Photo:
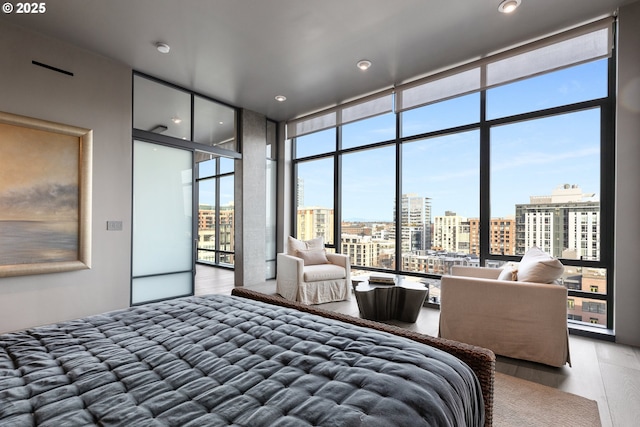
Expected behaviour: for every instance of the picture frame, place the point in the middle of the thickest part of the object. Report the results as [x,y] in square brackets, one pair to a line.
[45,196]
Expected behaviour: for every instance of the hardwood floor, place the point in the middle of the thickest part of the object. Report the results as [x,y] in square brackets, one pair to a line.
[212,280]
[606,372]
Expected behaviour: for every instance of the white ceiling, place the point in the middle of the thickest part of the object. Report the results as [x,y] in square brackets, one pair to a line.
[245,52]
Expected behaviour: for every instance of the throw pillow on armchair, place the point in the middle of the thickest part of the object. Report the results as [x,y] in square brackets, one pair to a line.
[537,266]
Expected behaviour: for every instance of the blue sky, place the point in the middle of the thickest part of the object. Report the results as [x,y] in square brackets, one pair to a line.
[527,158]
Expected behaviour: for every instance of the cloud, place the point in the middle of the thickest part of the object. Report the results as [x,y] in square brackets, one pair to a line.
[540,158]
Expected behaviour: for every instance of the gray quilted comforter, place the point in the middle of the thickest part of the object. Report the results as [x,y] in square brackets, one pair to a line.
[223,360]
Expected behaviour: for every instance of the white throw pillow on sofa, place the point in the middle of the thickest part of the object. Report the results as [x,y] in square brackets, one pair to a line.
[538,266]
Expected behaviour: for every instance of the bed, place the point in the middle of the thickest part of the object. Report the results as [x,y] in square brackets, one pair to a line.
[247,359]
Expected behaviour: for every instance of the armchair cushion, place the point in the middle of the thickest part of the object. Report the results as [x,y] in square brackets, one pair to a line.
[313,256]
[536,266]
[316,273]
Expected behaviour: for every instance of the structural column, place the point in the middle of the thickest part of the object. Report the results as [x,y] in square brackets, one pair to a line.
[250,201]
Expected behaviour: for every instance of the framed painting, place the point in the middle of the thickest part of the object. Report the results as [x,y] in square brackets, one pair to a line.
[45,196]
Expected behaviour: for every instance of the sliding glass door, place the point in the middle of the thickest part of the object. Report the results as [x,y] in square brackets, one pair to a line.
[163,242]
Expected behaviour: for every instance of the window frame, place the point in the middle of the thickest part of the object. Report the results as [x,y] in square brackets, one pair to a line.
[605,104]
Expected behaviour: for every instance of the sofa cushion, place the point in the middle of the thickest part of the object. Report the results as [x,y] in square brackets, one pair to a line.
[294,245]
[315,273]
[313,256]
[539,267]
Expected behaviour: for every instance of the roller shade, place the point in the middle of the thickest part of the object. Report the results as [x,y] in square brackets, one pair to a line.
[373,105]
[587,47]
[587,43]
[582,44]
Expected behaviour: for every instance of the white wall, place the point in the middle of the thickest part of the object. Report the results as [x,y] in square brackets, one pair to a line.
[97,97]
[627,234]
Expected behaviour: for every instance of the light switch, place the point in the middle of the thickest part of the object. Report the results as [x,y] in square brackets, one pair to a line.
[114,225]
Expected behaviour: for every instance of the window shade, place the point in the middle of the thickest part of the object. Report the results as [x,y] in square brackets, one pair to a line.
[587,47]
[373,105]
[411,96]
[312,124]
[573,47]
[586,43]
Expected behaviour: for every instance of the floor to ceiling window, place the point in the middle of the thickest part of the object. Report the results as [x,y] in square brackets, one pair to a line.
[474,166]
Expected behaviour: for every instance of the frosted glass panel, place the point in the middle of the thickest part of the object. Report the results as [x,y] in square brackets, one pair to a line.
[154,288]
[162,210]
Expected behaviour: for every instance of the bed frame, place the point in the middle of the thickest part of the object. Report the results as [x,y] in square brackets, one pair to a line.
[481,360]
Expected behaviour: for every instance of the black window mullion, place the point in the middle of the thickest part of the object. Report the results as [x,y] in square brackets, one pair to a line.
[607,181]
[337,193]
[398,201]
[485,184]
[217,215]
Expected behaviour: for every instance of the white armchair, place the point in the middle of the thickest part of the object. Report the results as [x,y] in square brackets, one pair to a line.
[307,274]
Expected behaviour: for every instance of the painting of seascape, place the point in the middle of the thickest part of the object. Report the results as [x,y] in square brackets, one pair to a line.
[43,206]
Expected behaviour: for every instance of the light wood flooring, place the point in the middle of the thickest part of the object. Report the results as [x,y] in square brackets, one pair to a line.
[606,372]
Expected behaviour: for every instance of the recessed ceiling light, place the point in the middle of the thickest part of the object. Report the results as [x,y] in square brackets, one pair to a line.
[364,64]
[508,6]
[177,120]
[163,47]
[281,98]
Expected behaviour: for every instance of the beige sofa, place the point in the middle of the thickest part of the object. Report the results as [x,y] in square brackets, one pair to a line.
[515,319]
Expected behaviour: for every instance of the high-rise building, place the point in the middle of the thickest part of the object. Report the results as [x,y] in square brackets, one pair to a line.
[415,221]
[362,250]
[502,236]
[300,192]
[564,224]
[315,222]
[451,233]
